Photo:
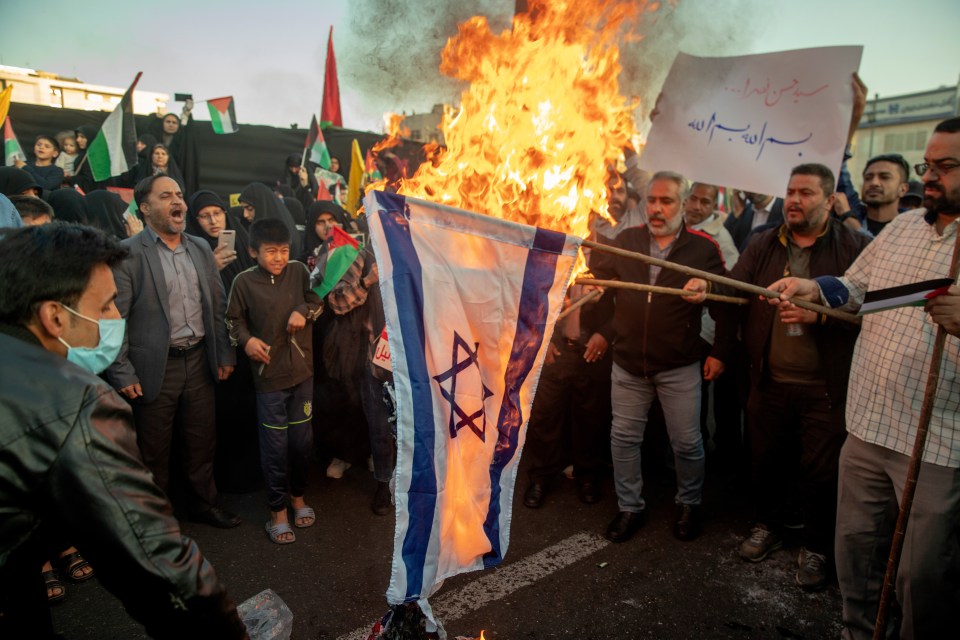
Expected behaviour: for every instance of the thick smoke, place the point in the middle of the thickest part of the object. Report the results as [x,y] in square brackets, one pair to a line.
[395,48]
[395,45]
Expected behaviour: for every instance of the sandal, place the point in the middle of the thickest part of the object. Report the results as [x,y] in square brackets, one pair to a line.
[274,531]
[52,582]
[304,513]
[72,566]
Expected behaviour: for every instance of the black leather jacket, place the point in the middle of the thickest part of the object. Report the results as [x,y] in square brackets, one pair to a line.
[69,460]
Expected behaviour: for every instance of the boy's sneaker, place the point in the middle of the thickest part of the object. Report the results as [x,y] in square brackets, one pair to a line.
[336,468]
[812,572]
[761,543]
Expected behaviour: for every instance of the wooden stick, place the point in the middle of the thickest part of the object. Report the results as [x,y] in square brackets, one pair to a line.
[730,282]
[617,284]
[579,302]
[913,470]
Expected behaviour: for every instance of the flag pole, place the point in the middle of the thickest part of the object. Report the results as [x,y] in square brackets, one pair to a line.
[730,282]
[579,302]
[76,169]
[670,291]
[303,159]
[913,470]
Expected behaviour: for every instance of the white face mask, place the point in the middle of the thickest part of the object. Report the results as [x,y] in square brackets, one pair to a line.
[98,358]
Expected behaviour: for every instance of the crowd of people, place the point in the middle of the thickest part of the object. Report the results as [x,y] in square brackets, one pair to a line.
[170,346]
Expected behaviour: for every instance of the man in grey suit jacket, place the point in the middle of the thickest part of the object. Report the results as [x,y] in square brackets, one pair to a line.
[175,346]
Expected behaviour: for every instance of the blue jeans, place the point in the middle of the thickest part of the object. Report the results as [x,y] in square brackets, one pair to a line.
[679,393]
[286,440]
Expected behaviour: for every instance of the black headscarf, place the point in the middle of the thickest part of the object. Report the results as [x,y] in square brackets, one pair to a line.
[105,211]
[182,147]
[68,205]
[146,169]
[14,181]
[82,173]
[204,198]
[296,210]
[306,194]
[267,205]
[310,239]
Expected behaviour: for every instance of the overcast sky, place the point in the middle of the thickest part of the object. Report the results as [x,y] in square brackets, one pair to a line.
[270,56]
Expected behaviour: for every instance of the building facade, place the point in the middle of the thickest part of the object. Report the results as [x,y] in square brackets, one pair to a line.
[51,90]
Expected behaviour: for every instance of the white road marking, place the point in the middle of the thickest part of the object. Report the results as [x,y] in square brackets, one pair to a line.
[504,580]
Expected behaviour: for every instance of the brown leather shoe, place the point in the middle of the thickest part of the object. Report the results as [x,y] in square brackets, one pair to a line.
[686,525]
[625,525]
[533,498]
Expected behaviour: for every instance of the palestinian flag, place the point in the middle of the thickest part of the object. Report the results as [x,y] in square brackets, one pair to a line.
[907,295]
[5,101]
[316,146]
[339,253]
[11,147]
[114,150]
[330,107]
[222,116]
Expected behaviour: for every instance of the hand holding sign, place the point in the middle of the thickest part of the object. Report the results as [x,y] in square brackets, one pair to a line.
[746,121]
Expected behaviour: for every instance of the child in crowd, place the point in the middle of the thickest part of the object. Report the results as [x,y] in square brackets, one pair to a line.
[42,168]
[33,211]
[267,314]
[68,152]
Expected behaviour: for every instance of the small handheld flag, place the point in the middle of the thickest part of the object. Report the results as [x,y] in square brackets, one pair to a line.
[222,115]
[316,146]
[11,147]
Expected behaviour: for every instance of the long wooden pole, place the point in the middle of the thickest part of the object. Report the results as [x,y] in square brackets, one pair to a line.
[618,284]
[913,470]
[730,282]
[579,302]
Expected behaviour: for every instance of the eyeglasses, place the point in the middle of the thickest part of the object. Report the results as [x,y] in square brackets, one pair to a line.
[209,218]
[936,168]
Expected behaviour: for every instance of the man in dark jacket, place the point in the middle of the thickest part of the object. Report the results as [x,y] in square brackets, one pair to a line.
[68,452]
[656,354]
[799,364]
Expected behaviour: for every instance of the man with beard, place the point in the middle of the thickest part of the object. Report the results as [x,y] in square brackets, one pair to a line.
[887,383]
[656,354]
[884,183]
[798,365]
[175,347]
[624,216]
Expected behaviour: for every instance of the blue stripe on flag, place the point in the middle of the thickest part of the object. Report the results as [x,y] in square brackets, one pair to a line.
[538,277]
[408,291]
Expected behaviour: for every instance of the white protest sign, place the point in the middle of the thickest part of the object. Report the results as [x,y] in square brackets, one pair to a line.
[745,121]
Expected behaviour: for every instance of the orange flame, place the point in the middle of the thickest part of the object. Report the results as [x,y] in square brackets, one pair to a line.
[542,118]
[481,635]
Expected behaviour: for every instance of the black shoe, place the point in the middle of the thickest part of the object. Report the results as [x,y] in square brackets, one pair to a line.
[533,498]
[624,526]
[588,492]
[382,500]
[217,517]
[686,526]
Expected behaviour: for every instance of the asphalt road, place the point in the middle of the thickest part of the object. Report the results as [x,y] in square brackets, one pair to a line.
[560,578]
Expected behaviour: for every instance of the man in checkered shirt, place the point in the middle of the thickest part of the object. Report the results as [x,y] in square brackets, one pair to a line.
[887,382]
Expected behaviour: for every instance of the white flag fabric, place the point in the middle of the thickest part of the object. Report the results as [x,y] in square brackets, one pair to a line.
[470,304]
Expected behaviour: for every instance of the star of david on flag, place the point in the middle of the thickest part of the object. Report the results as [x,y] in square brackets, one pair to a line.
[459,418]
[470,304]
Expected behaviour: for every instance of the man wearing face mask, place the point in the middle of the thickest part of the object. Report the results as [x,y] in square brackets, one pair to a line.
[68,452]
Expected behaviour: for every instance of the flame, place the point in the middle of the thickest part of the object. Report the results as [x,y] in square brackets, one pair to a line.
[542,118]
[481,635]
[532,140]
